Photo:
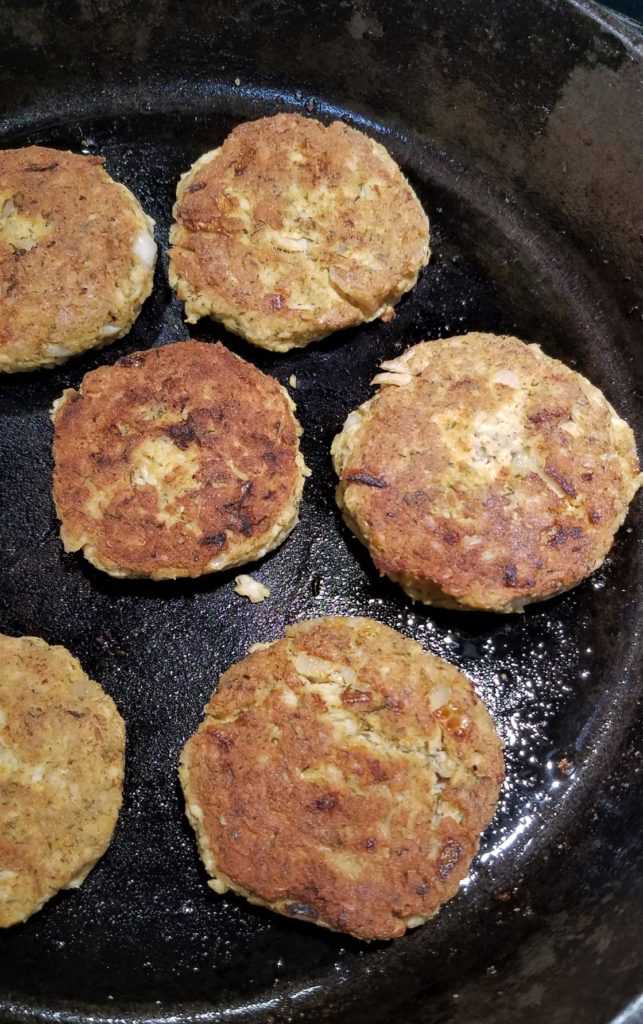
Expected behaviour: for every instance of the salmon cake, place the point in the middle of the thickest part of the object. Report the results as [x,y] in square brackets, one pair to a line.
[484,474]
[178,461]
[292,230]
[342,776]
[62,753]
[77,257]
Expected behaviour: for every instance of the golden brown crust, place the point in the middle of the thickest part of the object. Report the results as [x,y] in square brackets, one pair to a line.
[76,257]
[62,749]
[485,474]
[174,462]
[342,775]
[293,230]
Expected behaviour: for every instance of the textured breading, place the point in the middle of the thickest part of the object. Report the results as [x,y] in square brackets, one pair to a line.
[485,474]
[77,257]
[62,750]
[292,230]
[342,775]
[178,461]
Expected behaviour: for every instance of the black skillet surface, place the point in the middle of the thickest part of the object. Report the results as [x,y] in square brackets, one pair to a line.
[517,123]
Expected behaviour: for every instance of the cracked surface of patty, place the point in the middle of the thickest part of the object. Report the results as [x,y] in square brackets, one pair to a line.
[62,750]
[484,474]
[177,461]
[342,775]
[292,230]
[77,257]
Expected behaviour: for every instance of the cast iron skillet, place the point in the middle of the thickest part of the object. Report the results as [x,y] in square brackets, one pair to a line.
[519,125]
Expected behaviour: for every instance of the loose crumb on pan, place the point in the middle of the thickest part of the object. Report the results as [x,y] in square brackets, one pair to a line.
[248,586]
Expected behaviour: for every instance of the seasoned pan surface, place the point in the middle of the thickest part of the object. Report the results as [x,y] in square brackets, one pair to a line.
[550,916]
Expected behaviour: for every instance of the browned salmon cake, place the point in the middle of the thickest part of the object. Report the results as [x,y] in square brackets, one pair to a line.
[62,750]
[484,474]
[77,257]
[177,461]
[342,776]
[292,230]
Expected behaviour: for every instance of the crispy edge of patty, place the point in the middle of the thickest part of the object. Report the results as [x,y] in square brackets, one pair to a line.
[241,550]
[56,683]
[458,723]
[269,328]
[400,373]
[41,353]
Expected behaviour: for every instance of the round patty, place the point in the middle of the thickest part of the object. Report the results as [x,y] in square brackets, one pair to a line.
[292,230]
[342,775]
[77,257]
[177,461]
[484,474]
[62,751]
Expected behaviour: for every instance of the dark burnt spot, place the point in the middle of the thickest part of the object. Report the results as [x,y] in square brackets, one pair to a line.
[449,856]
[222,741]
[133,360]
[510,575]
[415,497]
[100,458]
[273,457]
[216,540]
[422,889]
[563,534]
[587,477]
[198,185]
[326,803]
[240,521]
[356,697]
[561,480]
[376,770]
[301,910]
[365,478]
[246,488]
[494,501]
[369,843]
[543,416]
[595,515]
[182,433]
[246,524]
[40,168]
[450,537]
